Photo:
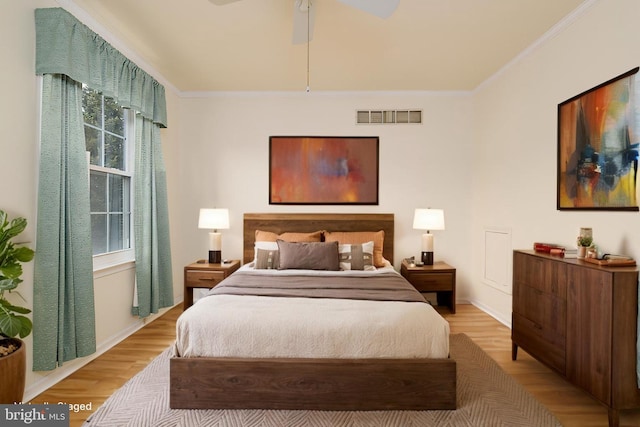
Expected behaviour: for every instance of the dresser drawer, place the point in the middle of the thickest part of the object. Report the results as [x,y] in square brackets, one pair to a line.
[548,276]
[429,282]
[202,279]
[540,307]
[546,343]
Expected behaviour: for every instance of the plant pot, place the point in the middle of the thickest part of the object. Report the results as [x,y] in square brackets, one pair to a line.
[13,371]
[582,251]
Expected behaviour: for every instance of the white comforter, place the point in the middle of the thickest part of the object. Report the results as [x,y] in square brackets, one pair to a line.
[268,327]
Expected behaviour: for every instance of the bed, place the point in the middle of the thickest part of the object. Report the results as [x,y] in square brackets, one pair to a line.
[291,373]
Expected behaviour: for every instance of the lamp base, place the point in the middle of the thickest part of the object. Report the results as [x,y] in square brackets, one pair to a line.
[427,258]
[215,257]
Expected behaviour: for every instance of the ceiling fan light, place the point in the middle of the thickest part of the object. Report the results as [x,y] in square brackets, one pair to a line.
[303,5]
[304,13]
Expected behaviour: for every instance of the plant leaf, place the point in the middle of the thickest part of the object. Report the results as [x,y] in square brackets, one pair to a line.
[16,226]
[11,270]
[25,326]
[17,309]
[10,324]
[8,284]
[23,254]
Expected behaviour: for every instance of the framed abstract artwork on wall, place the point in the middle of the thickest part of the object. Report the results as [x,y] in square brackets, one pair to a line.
[323,170]
[598,137]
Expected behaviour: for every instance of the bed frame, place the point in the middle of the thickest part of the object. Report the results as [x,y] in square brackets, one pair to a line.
[313,384]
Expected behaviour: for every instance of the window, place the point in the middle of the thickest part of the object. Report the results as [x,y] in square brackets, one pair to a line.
[107,127]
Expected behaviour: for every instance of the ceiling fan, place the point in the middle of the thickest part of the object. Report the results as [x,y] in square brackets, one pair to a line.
[304,14]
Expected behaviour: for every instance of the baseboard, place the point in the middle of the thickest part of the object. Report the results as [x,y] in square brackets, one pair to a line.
[69,368]
[499,317]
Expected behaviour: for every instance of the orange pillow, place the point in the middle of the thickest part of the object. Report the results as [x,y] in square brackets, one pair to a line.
[268,236]
[359,237]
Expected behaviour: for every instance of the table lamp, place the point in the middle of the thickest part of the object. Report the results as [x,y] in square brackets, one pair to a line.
[214,219]
[428,219]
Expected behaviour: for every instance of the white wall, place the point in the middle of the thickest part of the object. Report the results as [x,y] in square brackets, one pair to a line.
[421,165]
[19,113]
[515,142]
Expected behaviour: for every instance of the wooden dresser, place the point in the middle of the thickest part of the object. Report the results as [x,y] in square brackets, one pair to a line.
[579,319]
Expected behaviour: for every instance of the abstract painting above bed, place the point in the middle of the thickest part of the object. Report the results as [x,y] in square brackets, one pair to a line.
[319,170]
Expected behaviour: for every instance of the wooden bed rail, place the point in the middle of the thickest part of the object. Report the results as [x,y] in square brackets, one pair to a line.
[313,384]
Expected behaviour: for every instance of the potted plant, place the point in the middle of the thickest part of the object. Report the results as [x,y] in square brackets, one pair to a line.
[13,322]
[583,243]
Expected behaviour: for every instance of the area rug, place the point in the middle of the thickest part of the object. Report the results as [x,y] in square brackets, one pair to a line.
[487,396]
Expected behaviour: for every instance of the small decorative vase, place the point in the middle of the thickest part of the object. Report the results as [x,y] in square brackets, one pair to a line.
[586,232]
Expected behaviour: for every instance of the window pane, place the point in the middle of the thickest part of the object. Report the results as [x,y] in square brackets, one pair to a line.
[92,144]
[113,117]
[116,226]
[115,193]
[99,233]
[98,190]
[114,152]
[91,106]
[126,195]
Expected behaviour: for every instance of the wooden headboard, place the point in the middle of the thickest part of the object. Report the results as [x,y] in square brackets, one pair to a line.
[309,222]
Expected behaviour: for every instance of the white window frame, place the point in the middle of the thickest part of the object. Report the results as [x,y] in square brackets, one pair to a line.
[124,256]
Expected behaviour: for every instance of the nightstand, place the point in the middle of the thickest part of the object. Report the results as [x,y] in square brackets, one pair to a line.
[205,276]
[439,278]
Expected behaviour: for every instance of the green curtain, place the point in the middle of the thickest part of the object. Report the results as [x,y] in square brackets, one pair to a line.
[66,46]
[63,312]
[63,305]
[154,287]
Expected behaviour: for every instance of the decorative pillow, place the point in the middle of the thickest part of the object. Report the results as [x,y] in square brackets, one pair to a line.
[267,259]
[359,237]
[268,236]
[264,247]
[356,256]
[308,255]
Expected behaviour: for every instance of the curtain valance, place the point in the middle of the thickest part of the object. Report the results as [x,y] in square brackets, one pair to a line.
[66,46]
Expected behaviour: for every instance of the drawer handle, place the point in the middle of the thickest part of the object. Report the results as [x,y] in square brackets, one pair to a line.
[207,279]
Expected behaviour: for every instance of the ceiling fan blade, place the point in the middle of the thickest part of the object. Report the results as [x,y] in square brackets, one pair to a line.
[304,13]
[222,2]
[380,8]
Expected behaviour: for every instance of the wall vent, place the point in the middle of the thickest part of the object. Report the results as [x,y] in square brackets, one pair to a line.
[388,116]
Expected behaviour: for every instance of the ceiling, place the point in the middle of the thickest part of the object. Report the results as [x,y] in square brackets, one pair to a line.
[430,45]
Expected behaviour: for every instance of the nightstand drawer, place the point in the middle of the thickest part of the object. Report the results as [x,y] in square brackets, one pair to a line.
[203,279]
[432,281]
[204,275]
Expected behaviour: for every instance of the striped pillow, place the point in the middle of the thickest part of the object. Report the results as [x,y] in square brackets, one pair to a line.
[268,259]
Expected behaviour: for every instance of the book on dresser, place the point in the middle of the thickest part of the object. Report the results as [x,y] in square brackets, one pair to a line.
[580,319]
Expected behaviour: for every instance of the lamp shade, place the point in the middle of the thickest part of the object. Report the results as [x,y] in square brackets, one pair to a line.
[214,219]
[428,219]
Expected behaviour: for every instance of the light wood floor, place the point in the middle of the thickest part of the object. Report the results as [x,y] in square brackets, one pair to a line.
[95,382]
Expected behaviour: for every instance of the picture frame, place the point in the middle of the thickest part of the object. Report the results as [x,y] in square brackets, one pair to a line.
[598,136]
[323,170]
